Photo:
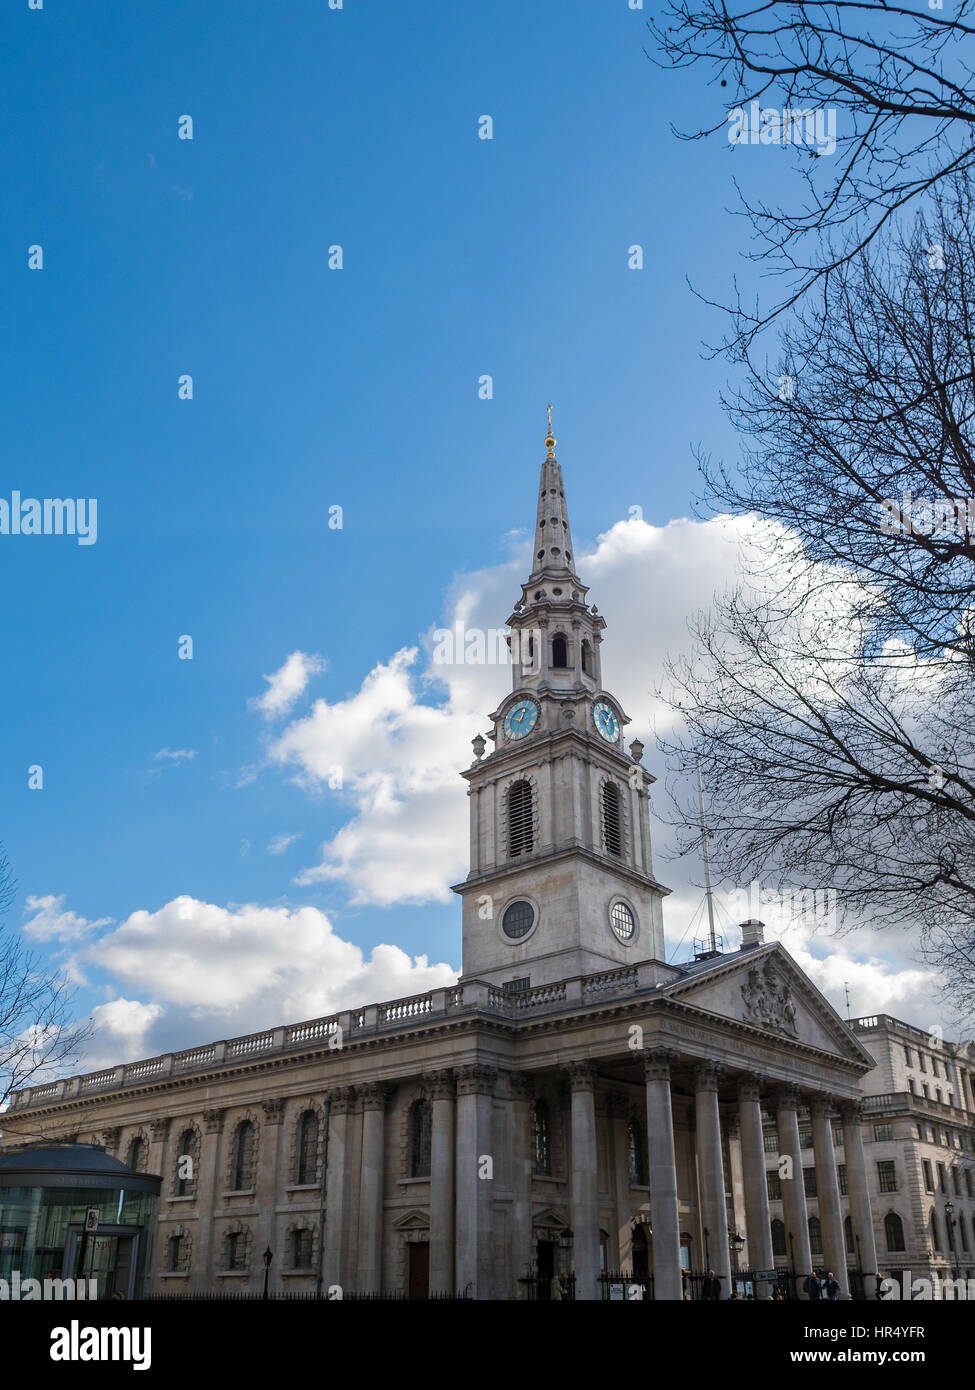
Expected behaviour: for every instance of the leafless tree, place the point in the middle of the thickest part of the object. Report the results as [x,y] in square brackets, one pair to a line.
[38,1036]
[831,696]
[900,82]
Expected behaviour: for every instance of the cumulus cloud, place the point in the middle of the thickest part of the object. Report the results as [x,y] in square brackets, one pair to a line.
[51,921]
[246,967]
[287,684]
[121,1032]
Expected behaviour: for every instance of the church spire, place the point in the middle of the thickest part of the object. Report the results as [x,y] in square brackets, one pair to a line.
[553,539]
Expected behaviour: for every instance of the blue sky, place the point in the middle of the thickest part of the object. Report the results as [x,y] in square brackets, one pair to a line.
[315,388]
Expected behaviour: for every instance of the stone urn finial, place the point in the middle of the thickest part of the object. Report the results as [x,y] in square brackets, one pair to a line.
[478,744]
[636,750]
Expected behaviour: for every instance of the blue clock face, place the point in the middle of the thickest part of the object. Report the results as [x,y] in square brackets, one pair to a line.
[520,719]
[607,725]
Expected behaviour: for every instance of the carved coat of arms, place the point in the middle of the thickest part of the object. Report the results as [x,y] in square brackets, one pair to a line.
[768,1000]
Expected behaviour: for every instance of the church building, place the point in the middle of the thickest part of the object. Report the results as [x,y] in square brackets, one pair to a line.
[574,1105]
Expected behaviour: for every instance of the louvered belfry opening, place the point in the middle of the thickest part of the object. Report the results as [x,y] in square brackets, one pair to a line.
[560,653]
[521,831]
[612,828]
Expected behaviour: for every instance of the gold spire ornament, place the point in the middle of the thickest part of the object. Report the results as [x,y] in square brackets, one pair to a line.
[550,437]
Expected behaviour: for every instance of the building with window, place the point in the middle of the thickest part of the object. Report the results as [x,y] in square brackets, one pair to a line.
[573,1104]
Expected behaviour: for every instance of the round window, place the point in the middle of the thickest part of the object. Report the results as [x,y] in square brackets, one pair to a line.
[518,920]
[623,921]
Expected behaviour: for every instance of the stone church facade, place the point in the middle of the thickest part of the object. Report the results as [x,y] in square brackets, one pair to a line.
[573,1104]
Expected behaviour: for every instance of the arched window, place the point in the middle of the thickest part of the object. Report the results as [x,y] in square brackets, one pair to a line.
[245,1146]
[560,652]
[848,1236]
[236,1250]
[815,1236]
[521,830]
[136,1157]
[306,1148]
[178,1249]
[541,1138]
[612,819]
[778,1238]
[894,1231]
[935,1230]
[586,659]
[301,1249]
[421,1122]
[637,1147]
[187,1160]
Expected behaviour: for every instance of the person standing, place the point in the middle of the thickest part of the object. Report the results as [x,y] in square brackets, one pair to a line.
[812,1287]
[711,1288]
[831,1288]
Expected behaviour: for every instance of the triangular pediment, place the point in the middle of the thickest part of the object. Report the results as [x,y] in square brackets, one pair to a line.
[550,1220]
[764,989]
[413,1221]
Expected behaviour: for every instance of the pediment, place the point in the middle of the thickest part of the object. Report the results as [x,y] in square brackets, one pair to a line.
[550,1220]
[765,990]
[413,1221]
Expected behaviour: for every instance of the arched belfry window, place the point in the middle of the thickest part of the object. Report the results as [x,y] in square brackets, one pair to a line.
[521,829]
[306,1148]
[245,1150]
[542,1138]
[612,819]
[560,652]
[586,659]
[421,1126]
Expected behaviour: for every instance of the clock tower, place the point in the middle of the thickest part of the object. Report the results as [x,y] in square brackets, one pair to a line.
[561,880]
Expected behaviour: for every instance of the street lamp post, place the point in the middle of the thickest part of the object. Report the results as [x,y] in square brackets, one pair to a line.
[736,1244]
[951,1219]
[268,1257]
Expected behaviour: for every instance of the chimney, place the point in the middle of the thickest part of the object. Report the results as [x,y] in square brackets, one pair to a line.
[752,934]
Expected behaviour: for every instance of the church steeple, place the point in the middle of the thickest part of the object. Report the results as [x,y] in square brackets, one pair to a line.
[561,881]
[553,539]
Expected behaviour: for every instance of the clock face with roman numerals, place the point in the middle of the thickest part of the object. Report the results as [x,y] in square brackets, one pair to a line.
[520,719]
[607,725]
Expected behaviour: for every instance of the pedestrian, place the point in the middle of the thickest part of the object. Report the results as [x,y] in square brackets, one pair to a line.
[812,1287]
[711,1288]
[831,1288]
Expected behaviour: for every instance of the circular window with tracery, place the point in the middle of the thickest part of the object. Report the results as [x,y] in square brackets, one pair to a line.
[624,923]
[518,920]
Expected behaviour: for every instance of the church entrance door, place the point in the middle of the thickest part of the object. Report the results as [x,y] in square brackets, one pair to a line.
[419,1269]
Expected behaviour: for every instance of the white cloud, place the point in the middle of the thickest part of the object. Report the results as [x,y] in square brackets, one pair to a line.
[51,922]
[246,967]
[281,842]
[176,755]
[287,684]
[122,1029]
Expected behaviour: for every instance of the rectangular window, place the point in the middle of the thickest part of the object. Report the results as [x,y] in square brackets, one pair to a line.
[883,1131]
[887,1175]
[516,986]
[907,1056]
[774,1184]
[837,1136]
[957,1177]
[928,1175]
[805,1139]
[934,1066]
[968,1182]
[841,1179]
[924,1088]
[809,1181]
[920,1061]
[911,1086]
[941,1178]
[771,1143]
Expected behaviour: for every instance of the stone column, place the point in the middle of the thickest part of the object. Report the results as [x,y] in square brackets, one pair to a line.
[793,1191]
[618,1113]
[266,1184]
[828,1192]
[205,1258]
[334,1266]
[442,1145]
[714,1217]
[667,1282]
[584,1186]
[474,1246]
[156,1163]
[369,1270]
[861,1217]
[522,1165]
[758,1225]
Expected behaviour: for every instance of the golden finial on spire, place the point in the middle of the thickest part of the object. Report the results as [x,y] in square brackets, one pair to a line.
[550,437]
